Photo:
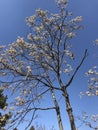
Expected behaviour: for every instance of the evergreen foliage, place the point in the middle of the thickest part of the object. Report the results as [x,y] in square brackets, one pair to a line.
[3,105]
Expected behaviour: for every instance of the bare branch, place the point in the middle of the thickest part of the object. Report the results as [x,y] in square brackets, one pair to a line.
[78,67]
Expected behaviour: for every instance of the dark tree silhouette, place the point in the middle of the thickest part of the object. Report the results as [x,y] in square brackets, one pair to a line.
[3,105]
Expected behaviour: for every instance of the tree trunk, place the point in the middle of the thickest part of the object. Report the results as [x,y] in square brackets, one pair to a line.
[69,109]
[57,109]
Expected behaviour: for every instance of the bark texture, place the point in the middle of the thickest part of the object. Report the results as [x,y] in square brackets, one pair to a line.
[69,109]
[57,110]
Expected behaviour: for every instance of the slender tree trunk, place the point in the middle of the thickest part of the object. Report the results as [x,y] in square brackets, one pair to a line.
[69,109]
[57,109]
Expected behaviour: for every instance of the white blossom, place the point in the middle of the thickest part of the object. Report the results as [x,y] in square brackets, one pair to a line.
[68,53]
[1,47]
[96,93]
[77,19]
[37,38]
[61,2]
[68,69]
[30,37]
[25,92]
[90,72]
[41,13]
[12,50]
[39,28]
[31,20]
[96,42]
[11,108]
[20,40]
[70,35]
[88,93]
[29,69]
[18,98]
[56,16]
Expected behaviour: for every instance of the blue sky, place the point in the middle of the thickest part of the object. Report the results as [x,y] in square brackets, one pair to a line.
[12,24]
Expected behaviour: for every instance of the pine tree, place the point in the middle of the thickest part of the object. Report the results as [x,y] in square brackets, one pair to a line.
[32,128]
[3,105]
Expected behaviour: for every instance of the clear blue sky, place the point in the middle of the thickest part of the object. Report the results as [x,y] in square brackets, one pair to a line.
[12,24]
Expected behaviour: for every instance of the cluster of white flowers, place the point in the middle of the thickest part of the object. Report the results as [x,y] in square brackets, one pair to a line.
[96,92]
[88,93]
[71,34]
[2,73]
[39,28]
[3,59]
[1,47]
[30,37]
[61,2]
[29,70]
[12,108]
[69,54]
[12,50]
[76,20]
[20,111]
[41,13]
[93,79]
[90,120]
[20,101]
[25,92]
[91,92]
[56,16]
[90,72]
[37,38]
[93,74]
[52,19]
[94,117]
[31,20]
[96,42]
[68,69]
[20,40]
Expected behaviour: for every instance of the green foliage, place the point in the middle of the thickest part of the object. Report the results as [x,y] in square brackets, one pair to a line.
[2,100]
[32,128]
[3,104]
[15,129]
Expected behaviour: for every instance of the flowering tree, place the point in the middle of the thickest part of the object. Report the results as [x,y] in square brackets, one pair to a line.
[92,75]
[38,66]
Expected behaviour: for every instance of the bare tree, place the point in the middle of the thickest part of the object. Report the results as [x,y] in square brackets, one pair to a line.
[38,66]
